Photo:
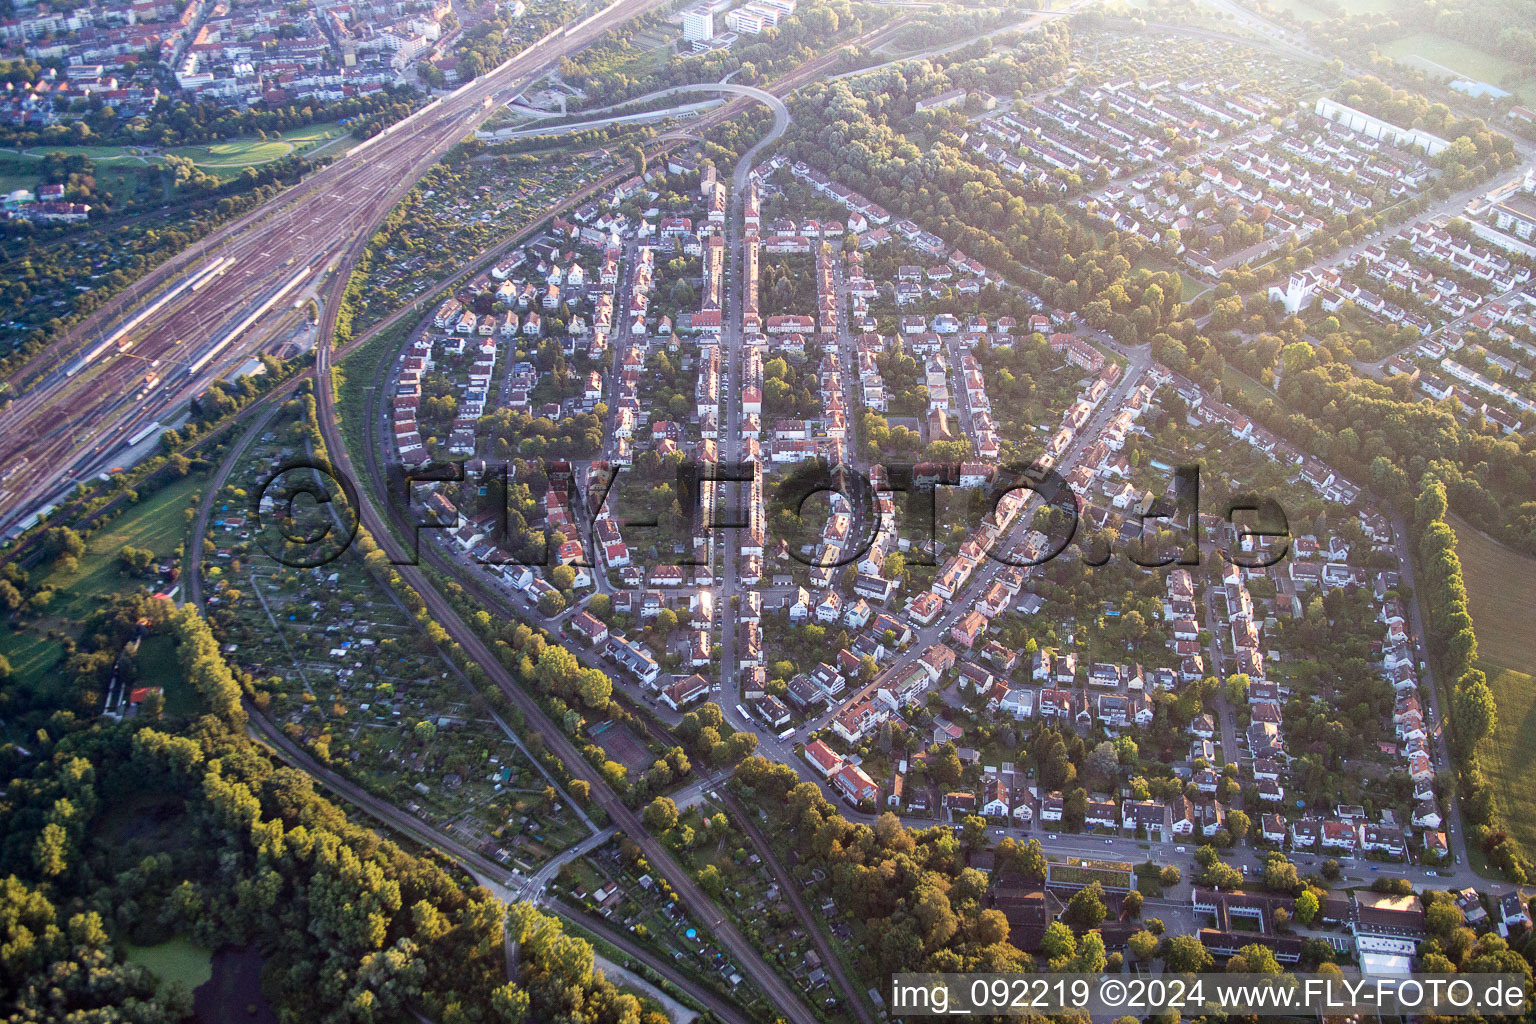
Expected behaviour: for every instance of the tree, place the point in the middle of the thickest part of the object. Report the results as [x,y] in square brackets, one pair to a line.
[1237,688]
[1131,903]
[1253,959]
[991,927]
[1086,908]
[1090,957]
[1169,876]
[1058,943]
[62,541]
[1184,954]
[1474,714]
[551,604]
[596,688]
[1031,860]
[563,577]
[1104,761]
[133,561]
[945,767]
[660,814]
[424,730]
[1306,907]
[1280,874]
[1238,825]
[50,850]
[1143,944]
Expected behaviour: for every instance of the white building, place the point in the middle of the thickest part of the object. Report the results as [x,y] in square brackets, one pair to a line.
[698,24]
[1376,128]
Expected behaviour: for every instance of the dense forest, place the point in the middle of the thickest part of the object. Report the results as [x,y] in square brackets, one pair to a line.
[129,832]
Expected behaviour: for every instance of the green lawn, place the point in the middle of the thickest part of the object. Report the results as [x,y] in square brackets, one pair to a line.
[1440,55]
[1500,583]
[239,153]
[1232,377]
[115,162]
[177,960]
[1509,754]
[17,172]
[158,524]
[1193,286]
[94,152]
[358,373]
[116,171]
[1305,11]
[32,657]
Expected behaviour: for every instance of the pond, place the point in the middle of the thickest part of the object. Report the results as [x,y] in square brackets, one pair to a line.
[234,992]
[177,960]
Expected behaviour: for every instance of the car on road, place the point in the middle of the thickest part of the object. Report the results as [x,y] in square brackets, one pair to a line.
[1109,842]
[1051,838]
[1375,867]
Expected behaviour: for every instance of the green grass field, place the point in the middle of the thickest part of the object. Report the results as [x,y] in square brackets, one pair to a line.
[177,960]
[1439,55]
[16,172]
[1304,11]
[358,375]
[1193,286]
[158,523]
[1509,755]
[116,165]
[1500,583]
[242,153]
[239,153]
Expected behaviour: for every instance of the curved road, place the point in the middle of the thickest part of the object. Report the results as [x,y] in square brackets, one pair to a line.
[778,992]
[496,878]
[645,115]
[294,239]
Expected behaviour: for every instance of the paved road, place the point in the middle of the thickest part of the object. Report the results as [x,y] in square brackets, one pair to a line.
[489,874]
[748,91]
[778,992]
[301,235]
